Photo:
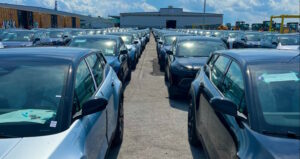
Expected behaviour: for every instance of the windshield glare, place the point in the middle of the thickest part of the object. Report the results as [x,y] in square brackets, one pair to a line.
[277,90]
[253,37]
[198,48]
[56,34]
[290,40]
[105,45]
[18,36]
[30,110]
[127,39]
[169,40]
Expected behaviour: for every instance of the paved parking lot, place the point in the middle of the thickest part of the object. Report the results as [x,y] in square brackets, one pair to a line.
[155,126]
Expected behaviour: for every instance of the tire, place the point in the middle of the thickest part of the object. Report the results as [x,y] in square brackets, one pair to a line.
[193,139]
[128,78]
[172,92]
[118,138]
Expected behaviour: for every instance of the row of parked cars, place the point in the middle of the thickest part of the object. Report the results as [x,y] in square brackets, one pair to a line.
[244,102]
[61,90]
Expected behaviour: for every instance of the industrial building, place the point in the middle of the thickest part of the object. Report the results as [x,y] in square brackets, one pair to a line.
[20,16]
[171,18]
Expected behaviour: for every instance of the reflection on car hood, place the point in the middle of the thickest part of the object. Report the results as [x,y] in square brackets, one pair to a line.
[192,61]
[29,147]
[288,47]
[9,44]
[49,146]
[167,47]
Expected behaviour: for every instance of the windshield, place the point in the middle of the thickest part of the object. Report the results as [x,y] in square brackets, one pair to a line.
[77,33]
[277,92]
[105,45]
[30,96]
[168,40]
[290,40]
[198,48]
[18,36]
[56,34]
[253,37]
[127,39]
[232,35]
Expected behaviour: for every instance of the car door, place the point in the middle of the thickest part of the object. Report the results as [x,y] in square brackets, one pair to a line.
[96,143]
[123,58]
[214,134]
[105,82]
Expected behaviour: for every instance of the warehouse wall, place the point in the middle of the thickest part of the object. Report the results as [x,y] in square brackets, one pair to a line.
[8,14]
[42,19]
[160,21]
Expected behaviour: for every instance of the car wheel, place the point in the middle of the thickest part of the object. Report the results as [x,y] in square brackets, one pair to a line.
[193,139]
[118,138]
[171,91]
[128,78]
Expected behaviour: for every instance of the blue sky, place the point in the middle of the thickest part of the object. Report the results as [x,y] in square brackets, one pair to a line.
[250,11]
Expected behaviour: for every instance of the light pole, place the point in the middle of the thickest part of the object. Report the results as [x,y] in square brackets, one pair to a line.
[204,6]
[204,9]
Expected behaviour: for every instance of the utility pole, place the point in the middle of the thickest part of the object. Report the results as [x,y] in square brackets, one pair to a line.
[55,8]
[204,6]
[204,10]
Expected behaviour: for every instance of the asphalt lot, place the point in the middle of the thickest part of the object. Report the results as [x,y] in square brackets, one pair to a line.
[155,127]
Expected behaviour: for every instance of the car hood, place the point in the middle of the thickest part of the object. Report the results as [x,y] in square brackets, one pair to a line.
[56,39]
[111,59]
[9,44]
[195,62]
[48,146]
[253,42]
[274,147]
[167,47]
[41,147]
[288,47]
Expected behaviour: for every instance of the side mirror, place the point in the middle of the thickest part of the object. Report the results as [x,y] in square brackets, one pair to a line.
[274,43]
[123,52]
[160,42]
[36,40]
[169,52]
[93,106]
[135,42]
[224,106]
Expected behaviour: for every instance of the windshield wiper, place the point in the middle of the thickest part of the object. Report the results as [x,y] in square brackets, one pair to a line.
[288,134]
[3,136]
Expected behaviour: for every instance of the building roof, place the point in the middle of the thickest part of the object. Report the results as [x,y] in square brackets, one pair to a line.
[38,9]
[171,12]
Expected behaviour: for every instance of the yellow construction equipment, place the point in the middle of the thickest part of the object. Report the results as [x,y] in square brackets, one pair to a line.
[282,21]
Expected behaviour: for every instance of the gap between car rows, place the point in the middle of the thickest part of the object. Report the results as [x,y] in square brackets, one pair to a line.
[154,126]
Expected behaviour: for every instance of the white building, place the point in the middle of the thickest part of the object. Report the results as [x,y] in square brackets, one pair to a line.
[170,18]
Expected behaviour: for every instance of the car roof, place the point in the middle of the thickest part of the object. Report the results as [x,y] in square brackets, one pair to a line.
[252,56]
[68,54]
[175,34]
[198,38]
[114,37]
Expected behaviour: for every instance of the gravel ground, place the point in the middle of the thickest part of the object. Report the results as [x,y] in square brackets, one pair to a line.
[155,127]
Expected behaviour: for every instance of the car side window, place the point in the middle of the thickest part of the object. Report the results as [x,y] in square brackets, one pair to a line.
[95,63]
[218,71]
[233,87]
[84,87]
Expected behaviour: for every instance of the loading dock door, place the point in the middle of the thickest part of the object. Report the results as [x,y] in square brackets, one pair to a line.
[25,19]
[171,24]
